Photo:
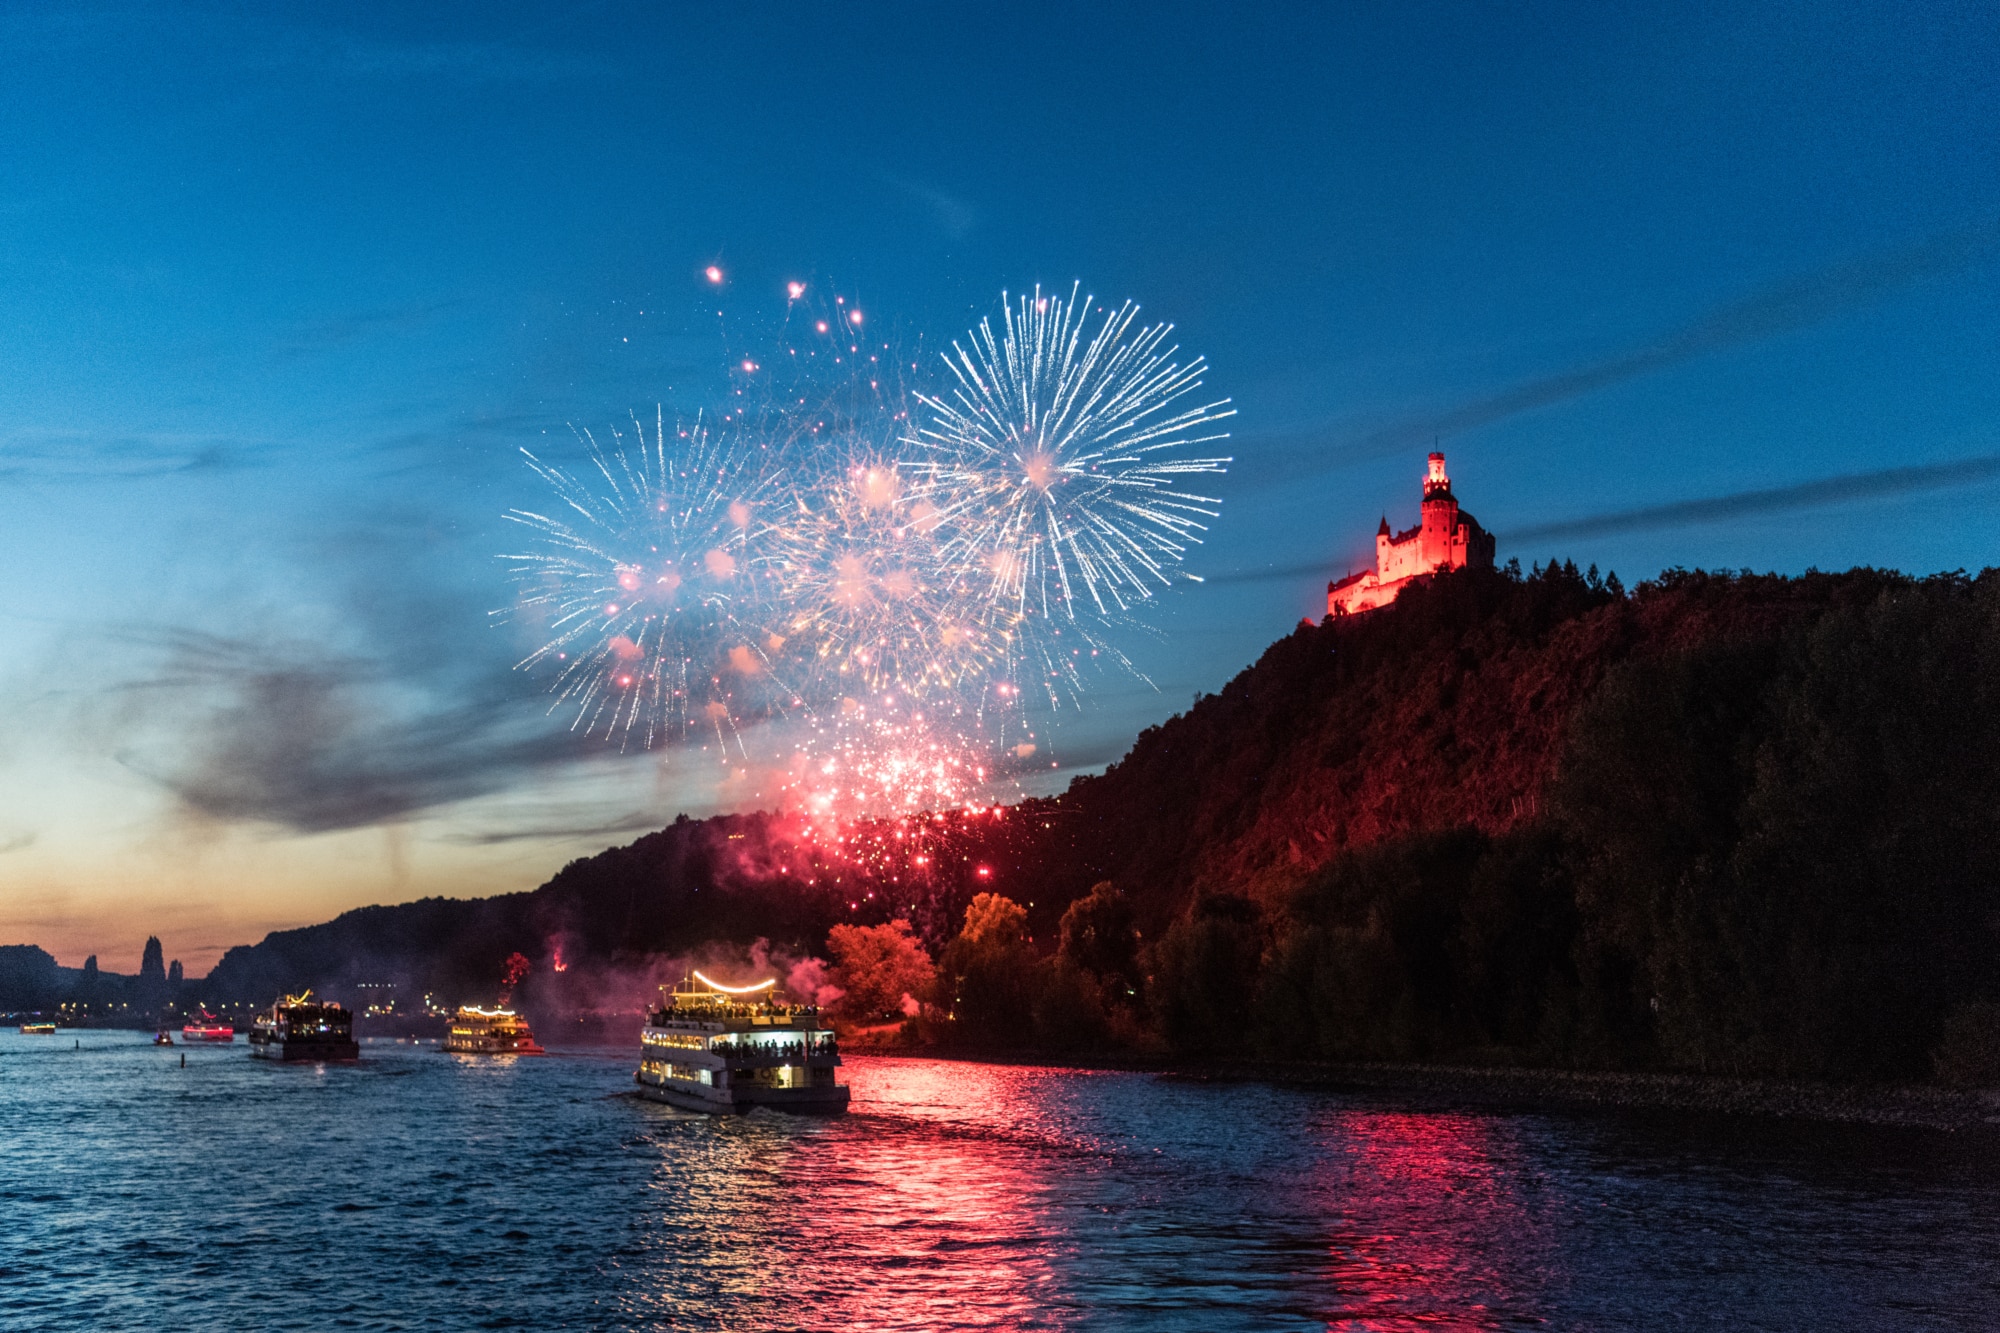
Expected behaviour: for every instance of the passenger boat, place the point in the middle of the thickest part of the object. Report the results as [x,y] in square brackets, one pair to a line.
[39,1029]
[476,1031]
[299,1027]
[713,1047]
[207,1028]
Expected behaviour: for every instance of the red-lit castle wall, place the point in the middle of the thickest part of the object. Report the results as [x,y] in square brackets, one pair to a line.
[1447,538]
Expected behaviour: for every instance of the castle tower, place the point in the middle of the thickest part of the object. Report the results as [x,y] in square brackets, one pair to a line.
[1440,517]
[1446,538]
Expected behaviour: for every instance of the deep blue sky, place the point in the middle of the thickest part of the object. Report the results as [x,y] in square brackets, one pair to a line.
[285,289]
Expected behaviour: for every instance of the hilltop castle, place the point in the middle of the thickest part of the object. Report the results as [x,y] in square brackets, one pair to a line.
[1447,538]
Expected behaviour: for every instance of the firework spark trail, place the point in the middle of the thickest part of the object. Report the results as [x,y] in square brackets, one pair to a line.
[885,753]
[888,585]
[1050,457]
[653,583]
[868,598]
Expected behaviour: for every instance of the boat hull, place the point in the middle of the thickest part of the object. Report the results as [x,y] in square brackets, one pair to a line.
[481,1048]
[742,1099]
[296,1050]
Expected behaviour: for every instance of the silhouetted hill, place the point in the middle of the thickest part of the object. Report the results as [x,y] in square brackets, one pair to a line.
[1581,826]
[30,978]
[1445,709]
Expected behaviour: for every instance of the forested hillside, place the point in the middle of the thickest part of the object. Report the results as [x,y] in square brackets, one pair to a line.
[1740,824]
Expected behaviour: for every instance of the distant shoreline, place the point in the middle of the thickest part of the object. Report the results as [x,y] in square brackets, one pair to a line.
[1908,1106]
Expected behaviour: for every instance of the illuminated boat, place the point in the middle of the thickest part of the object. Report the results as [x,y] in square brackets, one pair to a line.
[713,1047]
[476,1031]
[208,1028]
[39,1029]
[299,1027]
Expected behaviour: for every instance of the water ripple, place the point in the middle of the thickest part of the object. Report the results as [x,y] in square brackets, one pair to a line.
[416,1191]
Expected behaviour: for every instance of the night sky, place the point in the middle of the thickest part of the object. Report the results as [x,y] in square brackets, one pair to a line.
[284,291]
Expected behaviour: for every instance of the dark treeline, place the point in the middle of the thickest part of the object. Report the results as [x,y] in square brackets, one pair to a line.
[1726,823]
[1769,850]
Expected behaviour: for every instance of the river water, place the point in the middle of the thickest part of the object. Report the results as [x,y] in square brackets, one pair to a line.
[417,1190]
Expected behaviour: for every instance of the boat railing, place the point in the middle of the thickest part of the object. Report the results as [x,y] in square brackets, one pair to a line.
[697,1007]
[790,1052]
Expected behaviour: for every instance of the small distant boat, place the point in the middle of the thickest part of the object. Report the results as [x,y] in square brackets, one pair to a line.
[208,1028]
[476,1031]
[39,1029]
[161,1038]
[299,1027]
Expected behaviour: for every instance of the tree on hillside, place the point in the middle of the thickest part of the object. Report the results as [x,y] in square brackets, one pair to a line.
[1100,936]
[881,969]
[1377,951]
[985,979]
[1084,995]
[1787,847]
[1205,972]
[994,920]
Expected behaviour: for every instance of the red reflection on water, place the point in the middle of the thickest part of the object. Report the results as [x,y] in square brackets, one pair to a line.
[933,1218]
[1427,1222]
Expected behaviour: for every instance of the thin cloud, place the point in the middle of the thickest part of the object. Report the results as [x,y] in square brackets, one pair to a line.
[76,456]
[637,821]
[1806,495]
[393,696]
[248,731]
[309,338]
[1287,456]
[1784,307]
[1823,493]
[953,215]
[529,54]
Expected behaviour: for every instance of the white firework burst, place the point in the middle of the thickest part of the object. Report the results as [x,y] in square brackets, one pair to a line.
[1059,457]
[650,582]
[870,606]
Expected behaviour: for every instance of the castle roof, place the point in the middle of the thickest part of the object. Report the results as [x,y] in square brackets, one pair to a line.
[1349,580]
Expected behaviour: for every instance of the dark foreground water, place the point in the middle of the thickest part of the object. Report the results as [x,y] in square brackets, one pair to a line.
[419,1190]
